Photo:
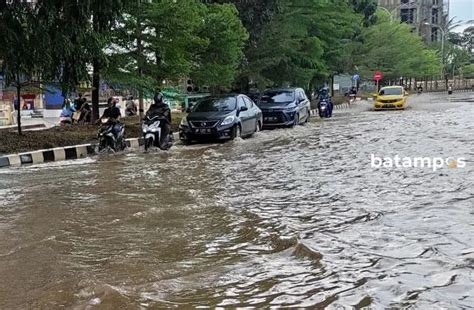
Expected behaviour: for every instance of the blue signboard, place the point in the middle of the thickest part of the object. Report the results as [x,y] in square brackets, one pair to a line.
[356,77]
[53,98]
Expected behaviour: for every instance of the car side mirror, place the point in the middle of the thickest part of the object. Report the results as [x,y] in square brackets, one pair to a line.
[243,108]
[375,96]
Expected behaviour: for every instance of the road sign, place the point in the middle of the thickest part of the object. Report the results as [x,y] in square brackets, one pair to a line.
[378,75]
[356,77]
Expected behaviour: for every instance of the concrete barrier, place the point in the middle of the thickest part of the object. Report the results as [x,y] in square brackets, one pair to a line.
[341,106]
[57,154]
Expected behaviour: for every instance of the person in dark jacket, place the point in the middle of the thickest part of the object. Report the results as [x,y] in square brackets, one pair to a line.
[112,111]
[113,114]
[159,107]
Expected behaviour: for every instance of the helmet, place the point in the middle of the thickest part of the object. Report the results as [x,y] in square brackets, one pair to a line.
[158,99]
[112,100]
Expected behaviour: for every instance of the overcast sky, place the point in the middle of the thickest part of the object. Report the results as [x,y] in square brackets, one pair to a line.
[463,10]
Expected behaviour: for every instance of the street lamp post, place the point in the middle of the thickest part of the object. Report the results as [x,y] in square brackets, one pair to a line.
[443,36]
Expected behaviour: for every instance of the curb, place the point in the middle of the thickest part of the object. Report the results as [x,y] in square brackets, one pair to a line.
[62,153]
[57,154]
[26,127]
[341,106]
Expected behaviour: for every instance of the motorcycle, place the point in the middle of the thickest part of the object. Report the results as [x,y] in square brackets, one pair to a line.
[107,138]
[65,120]
[325,109]
[352,98]
[153,127]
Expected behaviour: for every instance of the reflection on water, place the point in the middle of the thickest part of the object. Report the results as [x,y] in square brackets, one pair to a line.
[290,217]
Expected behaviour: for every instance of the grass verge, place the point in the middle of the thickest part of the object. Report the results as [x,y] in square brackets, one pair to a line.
[11,142]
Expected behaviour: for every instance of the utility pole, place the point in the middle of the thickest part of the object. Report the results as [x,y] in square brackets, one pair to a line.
[18,94]
[139,62]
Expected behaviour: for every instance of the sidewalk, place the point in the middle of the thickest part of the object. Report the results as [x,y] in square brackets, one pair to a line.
[34,124]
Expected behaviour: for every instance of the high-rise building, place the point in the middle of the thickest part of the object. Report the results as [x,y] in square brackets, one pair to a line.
[428,17]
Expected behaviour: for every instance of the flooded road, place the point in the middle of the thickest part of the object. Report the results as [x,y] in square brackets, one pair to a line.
[287,218]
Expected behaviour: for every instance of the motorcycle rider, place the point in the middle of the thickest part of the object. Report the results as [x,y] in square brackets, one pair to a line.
[130,108]
[114,114]
[420,89]
[323,93]
[353,91]
[67,112]
[161,109]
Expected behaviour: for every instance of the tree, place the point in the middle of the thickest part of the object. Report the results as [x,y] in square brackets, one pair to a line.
[368,8]
[68,31]
[303,40]
[395,50]
[23,46]
[216,63]
[168,39]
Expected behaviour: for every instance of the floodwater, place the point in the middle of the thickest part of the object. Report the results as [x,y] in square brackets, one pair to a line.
[288,218]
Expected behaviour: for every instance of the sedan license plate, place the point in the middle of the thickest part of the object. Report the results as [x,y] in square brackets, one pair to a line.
[271,119]
[204,131]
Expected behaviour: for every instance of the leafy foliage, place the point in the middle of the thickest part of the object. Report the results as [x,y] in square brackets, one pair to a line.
[395,50]
[217,62]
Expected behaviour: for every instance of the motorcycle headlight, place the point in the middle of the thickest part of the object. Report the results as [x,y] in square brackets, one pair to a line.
[228,120]
[184,121]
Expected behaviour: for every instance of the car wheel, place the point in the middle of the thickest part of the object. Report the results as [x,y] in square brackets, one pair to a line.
[296,120]
[236,132]
[308,115]
[258,126]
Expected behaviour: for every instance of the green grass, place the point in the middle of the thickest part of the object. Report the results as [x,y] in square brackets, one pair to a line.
[11,142]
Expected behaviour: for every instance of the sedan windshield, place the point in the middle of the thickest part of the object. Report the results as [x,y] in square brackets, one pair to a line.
[216,104]
[277,97]
[390,91]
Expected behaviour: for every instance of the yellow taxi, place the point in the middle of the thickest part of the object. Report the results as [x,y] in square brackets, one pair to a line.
[391,98]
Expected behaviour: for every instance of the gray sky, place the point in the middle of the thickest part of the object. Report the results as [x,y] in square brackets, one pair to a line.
[463,10]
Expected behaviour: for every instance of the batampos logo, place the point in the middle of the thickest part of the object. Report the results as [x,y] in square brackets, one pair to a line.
[434,163]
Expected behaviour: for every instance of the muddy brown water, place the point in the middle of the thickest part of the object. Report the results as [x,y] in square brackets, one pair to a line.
[287,218]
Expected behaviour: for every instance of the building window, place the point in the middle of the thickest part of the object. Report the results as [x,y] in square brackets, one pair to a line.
[434,16]
[434,34]
[408,15]
[405,1]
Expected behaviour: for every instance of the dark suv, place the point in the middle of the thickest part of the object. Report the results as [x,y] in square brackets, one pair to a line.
[284,107]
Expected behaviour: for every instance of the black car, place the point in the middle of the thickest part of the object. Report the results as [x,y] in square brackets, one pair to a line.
[223,117]
[284,107]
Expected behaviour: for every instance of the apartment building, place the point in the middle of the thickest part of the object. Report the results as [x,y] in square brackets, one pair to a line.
[428,17]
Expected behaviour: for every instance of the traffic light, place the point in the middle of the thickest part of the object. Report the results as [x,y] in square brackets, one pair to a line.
[191,88]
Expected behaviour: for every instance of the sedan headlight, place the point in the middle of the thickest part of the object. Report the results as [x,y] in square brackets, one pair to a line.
[289,109]
[228,120]
[184,121]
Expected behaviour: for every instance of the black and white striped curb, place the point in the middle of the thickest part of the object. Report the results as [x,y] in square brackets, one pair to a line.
[58,154]
[62,153]
[314,112]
